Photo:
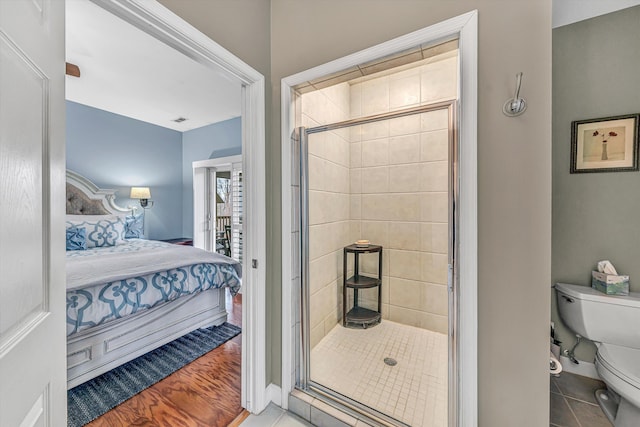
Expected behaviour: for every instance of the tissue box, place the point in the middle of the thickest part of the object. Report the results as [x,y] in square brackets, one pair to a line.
[610,284]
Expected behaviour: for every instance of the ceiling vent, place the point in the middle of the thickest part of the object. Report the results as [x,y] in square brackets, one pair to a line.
[180,119]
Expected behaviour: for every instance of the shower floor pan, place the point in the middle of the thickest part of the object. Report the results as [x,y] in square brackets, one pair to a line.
[413,391]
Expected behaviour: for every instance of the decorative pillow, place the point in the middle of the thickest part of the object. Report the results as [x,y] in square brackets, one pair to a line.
[76,239]
[134,226]
[101,230]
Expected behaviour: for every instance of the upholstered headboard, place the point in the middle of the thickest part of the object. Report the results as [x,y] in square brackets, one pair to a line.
[85,198]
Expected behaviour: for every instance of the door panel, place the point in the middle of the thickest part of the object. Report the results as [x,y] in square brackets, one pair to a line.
[204,208]
[32,334]
[21,171]
[210,212]
[199,207]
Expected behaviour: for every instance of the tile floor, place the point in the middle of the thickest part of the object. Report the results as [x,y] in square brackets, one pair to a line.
[573,402]
[274,416]
[351,362]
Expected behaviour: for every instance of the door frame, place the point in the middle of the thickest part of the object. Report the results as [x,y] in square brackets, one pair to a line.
[203,225]
[159,22]
[222,164]
[465,337]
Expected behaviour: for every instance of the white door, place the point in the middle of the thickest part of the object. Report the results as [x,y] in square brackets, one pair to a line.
[204,201]
[204,207]
[32,199]
[210,212]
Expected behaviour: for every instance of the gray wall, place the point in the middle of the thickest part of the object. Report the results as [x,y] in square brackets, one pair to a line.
[217,140]
[595,215]
[514,170]
[118,152]
[282,37]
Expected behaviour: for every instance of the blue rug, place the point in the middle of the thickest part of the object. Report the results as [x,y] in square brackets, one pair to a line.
[88,401]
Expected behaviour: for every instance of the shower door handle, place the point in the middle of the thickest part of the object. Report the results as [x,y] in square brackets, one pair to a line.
[450,277]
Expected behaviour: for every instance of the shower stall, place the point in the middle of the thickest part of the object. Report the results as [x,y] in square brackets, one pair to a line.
[378,166]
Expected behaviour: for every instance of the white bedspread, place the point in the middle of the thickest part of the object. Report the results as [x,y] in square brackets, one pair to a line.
[141,258]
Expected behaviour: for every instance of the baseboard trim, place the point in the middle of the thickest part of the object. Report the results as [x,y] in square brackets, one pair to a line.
[586,369]
[274,394]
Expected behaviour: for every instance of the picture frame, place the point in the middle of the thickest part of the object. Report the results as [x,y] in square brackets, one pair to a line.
[607,144]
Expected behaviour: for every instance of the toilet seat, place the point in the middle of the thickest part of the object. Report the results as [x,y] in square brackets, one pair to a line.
[624,362]
[619,367]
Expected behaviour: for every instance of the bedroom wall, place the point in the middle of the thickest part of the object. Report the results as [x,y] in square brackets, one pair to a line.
[118,152]
[595,215]
[217,140]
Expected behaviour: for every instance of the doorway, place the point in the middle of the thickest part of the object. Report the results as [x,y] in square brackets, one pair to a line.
[158,22]
[218,206]
[461,276]
[378,229]
[375,312]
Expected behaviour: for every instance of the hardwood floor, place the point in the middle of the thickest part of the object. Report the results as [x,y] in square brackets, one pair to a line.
[206,392]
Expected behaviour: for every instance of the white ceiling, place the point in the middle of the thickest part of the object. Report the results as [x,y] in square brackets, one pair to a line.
[567,12]
[128,72]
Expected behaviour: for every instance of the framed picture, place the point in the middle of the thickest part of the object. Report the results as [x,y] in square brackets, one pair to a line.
[605,145]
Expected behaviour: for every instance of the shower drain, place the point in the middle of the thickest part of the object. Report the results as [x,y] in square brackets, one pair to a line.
[390,361]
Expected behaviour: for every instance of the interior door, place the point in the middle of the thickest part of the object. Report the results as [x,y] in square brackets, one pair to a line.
[32,171]
[210,212]
[204,207]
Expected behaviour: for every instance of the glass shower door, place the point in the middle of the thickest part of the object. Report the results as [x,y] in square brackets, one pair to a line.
[376,237]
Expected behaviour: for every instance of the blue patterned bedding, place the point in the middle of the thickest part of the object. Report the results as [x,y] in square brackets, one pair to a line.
[131,245]
[96,304]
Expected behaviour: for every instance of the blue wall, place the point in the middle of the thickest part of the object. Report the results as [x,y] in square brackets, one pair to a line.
[217,140]
[117,152]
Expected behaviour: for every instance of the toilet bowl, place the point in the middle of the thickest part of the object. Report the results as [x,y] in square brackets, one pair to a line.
[612,322]
[619,368]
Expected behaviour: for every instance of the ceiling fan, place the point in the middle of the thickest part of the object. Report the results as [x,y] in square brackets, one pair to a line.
[73,70]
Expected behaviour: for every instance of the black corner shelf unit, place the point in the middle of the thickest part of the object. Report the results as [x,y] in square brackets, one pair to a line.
[360,317]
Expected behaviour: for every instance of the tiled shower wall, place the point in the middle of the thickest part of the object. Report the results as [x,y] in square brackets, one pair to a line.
[386,182]
[399,200]
[328,205]
[399,189]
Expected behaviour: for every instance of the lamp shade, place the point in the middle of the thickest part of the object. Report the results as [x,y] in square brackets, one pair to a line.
[140,193]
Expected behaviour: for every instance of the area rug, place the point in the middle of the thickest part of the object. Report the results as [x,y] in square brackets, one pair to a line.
[88,401]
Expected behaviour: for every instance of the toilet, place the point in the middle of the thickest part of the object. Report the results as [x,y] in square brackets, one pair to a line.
[613,323]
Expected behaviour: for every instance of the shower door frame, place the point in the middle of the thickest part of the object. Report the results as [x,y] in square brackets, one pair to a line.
[303,362]
[465,28]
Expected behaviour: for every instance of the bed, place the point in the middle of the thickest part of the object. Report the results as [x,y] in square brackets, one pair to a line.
[128,296]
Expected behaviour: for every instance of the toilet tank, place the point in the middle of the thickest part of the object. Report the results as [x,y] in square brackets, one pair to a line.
[599,317]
